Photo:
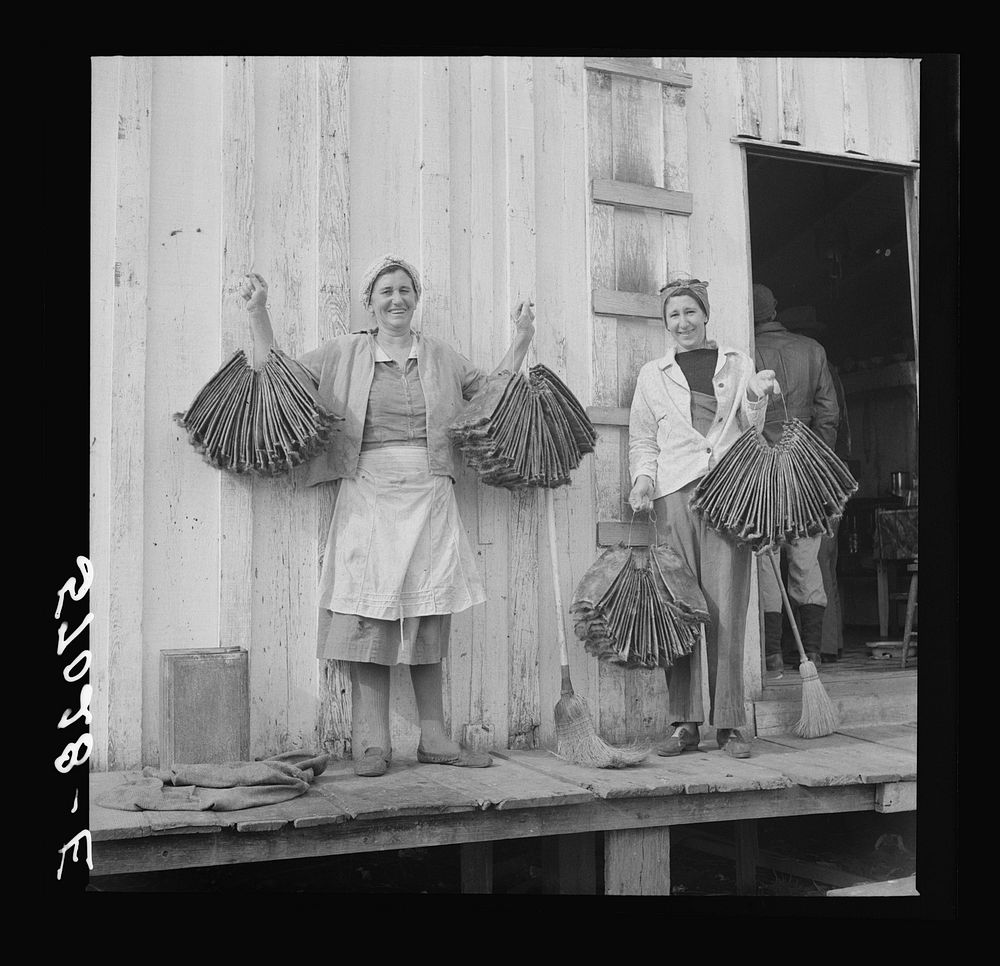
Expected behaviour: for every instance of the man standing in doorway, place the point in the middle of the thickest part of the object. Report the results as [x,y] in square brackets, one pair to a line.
[803,319]
[808,394]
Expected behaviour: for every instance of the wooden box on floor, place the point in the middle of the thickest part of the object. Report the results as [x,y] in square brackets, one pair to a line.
[204,705]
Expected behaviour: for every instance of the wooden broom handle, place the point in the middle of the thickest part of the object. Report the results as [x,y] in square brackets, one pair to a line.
[550,512]
[788,605]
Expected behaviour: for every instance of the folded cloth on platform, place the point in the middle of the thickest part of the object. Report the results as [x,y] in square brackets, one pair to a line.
[220,786]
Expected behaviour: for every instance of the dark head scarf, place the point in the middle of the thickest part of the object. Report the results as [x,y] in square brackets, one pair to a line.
[697,289]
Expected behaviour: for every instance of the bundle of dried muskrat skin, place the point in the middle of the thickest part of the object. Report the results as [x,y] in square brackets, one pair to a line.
[524,431]
[767,496]
[263,420]
[640,607]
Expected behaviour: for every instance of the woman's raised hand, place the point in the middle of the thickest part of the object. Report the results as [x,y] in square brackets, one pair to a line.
[641,497]
[764,383]
[253,290]
[523,317]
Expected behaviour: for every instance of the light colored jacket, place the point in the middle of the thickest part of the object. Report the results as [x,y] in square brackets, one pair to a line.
[342,371]
[804,376]
[663,444]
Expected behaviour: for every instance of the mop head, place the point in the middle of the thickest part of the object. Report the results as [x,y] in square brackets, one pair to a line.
[578,741]
[819,717]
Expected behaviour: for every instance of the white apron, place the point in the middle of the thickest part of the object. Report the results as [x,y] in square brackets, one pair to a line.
[396,546]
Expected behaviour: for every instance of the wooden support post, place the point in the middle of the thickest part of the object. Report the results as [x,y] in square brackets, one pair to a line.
[747,855]
[476,867]
[637,862]
[569,864]
[882,576]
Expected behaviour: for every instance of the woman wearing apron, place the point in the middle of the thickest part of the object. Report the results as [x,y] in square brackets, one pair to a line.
[397,562]
[688,410]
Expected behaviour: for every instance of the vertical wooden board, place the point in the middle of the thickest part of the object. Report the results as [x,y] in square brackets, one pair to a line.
[103,178]
[912,196]
[749,115]
[769,111]
[640,262]
[385,179]
[821,89]
[467,489]
[334,203]
[890,122]
[676,233]
[637,130]
[478,132]
[638,158]
[790,119]
[855,85]
[720,246]
[333,319]
[602,243]
[128,408]
[914,104]
[384,165]
[600,156]
[181,607]
[236,248]
[103,186]
[561,204]
[435,192]
[434,224]
[283,665]
[637,862]
[514,168]
[609,483]
[645,691]
[600,164]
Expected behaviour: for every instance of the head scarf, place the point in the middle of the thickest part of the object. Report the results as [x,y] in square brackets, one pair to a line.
[764,303]
[697,289]
[380,265]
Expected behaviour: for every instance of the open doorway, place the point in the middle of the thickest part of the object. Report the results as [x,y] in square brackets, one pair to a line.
[830,241]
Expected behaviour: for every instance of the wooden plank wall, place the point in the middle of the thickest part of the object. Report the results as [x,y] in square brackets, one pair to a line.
[482,170]
[637,154]
[836,106]
[205,168]
[858,105]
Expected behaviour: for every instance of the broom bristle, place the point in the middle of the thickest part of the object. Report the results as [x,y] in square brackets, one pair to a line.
[578,741]
[819,717]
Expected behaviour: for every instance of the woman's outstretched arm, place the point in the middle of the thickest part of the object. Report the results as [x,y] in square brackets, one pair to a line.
[254,291]
[524,321]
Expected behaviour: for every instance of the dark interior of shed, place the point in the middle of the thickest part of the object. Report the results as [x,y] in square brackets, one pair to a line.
[831,242]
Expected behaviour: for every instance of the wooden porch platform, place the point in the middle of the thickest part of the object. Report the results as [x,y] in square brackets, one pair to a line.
[530,793]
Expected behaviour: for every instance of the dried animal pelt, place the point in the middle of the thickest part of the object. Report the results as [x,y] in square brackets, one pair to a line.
[639,606]
[263,420]
[767,496]
[523,431]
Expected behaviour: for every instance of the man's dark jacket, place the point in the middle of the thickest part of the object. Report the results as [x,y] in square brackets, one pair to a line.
[801,369]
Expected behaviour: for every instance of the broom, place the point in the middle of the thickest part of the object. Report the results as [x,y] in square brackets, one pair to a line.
[818,715]
[576,738]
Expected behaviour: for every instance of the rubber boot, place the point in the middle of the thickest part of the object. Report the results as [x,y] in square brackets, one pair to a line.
[772,641]
[811,629]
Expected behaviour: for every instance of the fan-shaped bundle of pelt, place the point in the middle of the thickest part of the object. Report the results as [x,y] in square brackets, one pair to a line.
[766,496]
[524,431]
[640,607]
[261,420]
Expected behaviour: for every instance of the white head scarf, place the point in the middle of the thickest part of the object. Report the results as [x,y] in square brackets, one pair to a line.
[377,267]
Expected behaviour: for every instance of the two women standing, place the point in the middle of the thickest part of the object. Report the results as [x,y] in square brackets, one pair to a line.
[397,562]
